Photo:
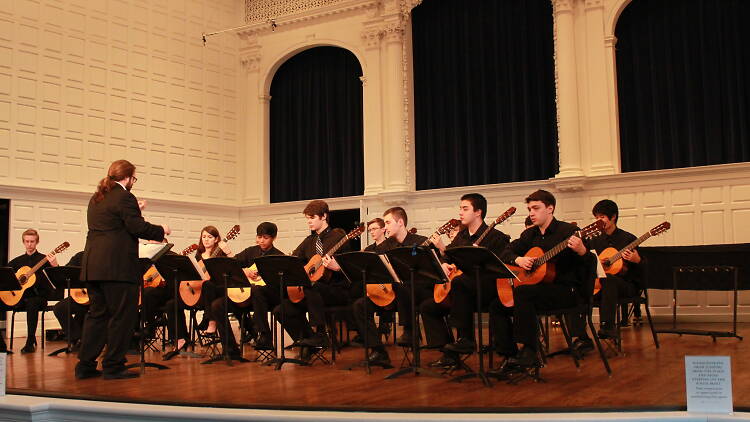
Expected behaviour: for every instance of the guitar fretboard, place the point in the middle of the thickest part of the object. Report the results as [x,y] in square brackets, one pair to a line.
[632,245]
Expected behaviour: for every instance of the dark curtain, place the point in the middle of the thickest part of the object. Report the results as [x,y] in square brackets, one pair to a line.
[484,92]
[682,69]
[316,126]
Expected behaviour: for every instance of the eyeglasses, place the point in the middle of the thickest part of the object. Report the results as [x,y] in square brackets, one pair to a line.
[135,179]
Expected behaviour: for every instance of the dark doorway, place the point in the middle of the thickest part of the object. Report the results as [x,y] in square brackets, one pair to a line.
[4,230]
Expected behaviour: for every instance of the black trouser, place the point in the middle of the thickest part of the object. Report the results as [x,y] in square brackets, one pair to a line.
[263,298]
[153,302]
[32,305]
[529,299]
[112,316]
[437,332]
[501,325]
[366,321]
[316,299]
[77,314]
[385,315]
[613,288]
[423,290]
[463,300]
[181,329]
[210,291]
[217,308]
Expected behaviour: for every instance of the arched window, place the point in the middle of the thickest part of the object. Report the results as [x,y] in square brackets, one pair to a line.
[682,79]
[316,126]
[484,92]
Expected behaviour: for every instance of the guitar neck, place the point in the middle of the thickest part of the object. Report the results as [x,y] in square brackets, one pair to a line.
[429,239]
[486,232]
[37,266]
[632,245]
[337,246]
[554,251]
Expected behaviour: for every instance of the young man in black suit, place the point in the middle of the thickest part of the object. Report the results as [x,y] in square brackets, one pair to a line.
[34,298]
[111,270]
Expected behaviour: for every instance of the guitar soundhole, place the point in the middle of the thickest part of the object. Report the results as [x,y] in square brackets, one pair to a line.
[22,279]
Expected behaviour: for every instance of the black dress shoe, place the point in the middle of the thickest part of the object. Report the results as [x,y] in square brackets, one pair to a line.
[463,346]
[124,374]
[526,358]
[379,358]
[607,331]
[82,374]
[445,361]
[583,345]
[264,342]
[29,348]
[317,340]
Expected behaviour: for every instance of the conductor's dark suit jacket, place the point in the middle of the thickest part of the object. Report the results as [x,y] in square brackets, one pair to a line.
[115,225]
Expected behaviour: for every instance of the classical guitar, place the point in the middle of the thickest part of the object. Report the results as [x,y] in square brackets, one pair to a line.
[26,277]
[190,291]
[241,295]
[541,271]
[383,294]
[315,268]
[442,290]
[611,258]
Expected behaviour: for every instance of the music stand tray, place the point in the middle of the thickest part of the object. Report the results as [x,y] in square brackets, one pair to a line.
[367,268]
[483,264]
[411,263]
[229,270]
[65,278]
[282,271]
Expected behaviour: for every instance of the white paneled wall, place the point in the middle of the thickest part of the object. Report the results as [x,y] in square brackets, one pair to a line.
[83,83]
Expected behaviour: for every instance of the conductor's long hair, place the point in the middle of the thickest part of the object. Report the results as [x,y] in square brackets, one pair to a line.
[119,170]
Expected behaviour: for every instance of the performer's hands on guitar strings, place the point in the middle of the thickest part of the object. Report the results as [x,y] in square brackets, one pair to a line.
[330,263]
[575,243]
[525,262]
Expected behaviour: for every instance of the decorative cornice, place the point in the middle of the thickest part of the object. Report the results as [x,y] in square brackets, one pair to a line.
[560,6]
[593,4]
[393,32]
[301,11]
[371,38]
[251,62]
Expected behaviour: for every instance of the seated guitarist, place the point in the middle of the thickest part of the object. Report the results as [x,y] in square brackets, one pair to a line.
[34,298]
[324,292]
[625,284]
[561,293]
[209,242]
[395,220]
[462,297]
[265,236]
[76,310]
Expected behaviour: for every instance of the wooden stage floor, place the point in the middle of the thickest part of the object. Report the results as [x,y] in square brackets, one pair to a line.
[645,378]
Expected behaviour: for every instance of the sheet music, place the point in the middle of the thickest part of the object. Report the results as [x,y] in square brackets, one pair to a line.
[201,271]
[599,268]
[387,263]
[150,250]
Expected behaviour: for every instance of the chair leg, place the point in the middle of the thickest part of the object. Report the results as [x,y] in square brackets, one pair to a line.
[12,328]
[602,355]
[43,336]
[651,324]
[569,341]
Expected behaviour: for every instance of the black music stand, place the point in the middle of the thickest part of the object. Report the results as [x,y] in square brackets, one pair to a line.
[8,283]
[230,270]
[145,264]
[175,269]
[481,262]
[409,262]
[283,271]
[65,278]
[367,268]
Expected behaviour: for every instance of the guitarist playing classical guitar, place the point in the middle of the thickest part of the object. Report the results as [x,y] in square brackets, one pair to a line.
[546,233]
[395,220]
[330,290]
[259,293]
[625,284]
[462,296]
[34,298]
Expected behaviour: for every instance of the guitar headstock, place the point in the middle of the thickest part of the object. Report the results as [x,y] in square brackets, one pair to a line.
[661,228]
[189,249]
[447,227]
[505,215]
[234,232]
[62,247]
[592,230]
[412,230]
[356,232]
